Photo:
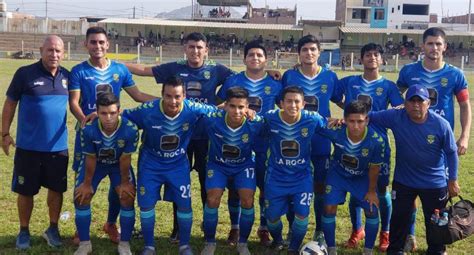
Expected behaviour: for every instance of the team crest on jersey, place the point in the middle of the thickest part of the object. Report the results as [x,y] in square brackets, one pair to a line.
[268,90]
[142,190]
[444,82]
[365,152]
[210,173]
[324,88]
[21,180]
[64,83]
[116,77]
[379,91]
[430,139]
[120,143]
[245,138]
[186,126]
[267,203]
[304,132]
[207,75]
[328,189]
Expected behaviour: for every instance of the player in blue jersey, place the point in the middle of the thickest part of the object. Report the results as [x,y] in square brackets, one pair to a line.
[231,140]
[443,81]
[167,124]
[108,144]
[378,93]
[288,181]
[425,148]
[263,96]
[355,165]
[319,85]
[88,80]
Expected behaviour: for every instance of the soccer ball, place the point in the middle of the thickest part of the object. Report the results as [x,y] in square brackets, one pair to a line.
[313,248]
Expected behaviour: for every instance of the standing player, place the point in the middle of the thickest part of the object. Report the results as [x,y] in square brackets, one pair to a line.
[289,182]
[319,86]
[167,124]
[263,93]
[231,139]
[377,92]
[107,143]
[355,165]
[88,80]
[443,81]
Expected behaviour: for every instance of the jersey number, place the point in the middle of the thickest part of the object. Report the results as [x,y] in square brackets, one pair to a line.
[306,199]
[250,173]
[185,191]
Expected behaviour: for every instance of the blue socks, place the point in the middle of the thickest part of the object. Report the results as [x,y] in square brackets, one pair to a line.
[261,203]
[371,227]
[234,211]
[413,222]
[211,216]
[246,222]
[356,213]
[318,210]
[275,229]
[185,223]
[385,211]
[298,229]
[329,229]
[114,206]
[83,221]
[127,222]
[147,219]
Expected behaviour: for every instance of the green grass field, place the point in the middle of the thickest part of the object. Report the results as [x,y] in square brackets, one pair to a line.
[9,225]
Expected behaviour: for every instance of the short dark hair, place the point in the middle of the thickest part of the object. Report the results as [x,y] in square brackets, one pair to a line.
[106,99]
[172,81]
[434,31]
[236,92]
[95,30]
[369,47]
[308,39]
[195,36]
[254,45]
[356,107]
[291,89]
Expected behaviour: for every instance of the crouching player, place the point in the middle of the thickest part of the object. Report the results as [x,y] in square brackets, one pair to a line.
[355,165]
[231,139]
[289,180]
[107,143]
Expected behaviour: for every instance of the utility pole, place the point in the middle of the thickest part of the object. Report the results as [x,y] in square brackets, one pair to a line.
[133,12]
[469,17]
[46,9]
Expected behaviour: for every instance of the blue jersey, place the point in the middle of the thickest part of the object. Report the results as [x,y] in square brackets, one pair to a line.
[318,91]
[378,94]
[442,85]
[42,109]
[263,96]
[166,138]
[201,83]
[289,160]
[354,159]
[420,148]
[231,148]
[109,148]
[91,81]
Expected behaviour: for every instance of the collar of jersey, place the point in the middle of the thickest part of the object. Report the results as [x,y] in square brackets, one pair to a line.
[234,129]
[168,117]
[363,137]
[102,130]
[320,69]
[255,81]
[432,71]
[100,69]
[289,124]
[369,82]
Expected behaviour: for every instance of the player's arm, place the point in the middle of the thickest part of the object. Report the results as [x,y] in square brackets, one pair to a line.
[371,196]
[139,96]
[75,108]
[139,69]
[8,113]
[465,118]
[126,187]
[83,193]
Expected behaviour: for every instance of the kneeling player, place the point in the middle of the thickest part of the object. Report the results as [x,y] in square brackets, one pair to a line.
[355,165]
[231,137]
[107,144]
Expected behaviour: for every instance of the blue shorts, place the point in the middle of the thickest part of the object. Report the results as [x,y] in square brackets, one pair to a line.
[337,187]
[260,168]
[320,167]
[100,173]
[78,156]
[217,177]
[280,196]
[384,175]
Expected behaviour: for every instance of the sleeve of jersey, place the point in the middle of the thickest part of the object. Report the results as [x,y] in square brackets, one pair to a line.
[162,72]
[379,151]
[450,149]
[401,83]
[74,80]
[132,142]
[460,90]
[88,147]
[135,115]
[284,80]
[202,109]
[128,80]
[330,133]
[222,90]
[338,93]
[224,73]
[384,118]
[395,95]
[15,90]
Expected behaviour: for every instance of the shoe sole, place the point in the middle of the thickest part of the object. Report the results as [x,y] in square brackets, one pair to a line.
[45,236]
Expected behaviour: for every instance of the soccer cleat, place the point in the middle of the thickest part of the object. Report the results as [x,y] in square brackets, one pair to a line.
[148,251]
[383,241]
[185,250]
[291,252]
[233,238]
[410,244]
[174,237]
[356,236]
[368,251]
[276,247]
[264,236]
[51,235]
[75,239]
[243,249]
[319,237]
[332,251]
[209,249]
[23,240]
[111,230]
[123,248]
[287,242]
[84,248]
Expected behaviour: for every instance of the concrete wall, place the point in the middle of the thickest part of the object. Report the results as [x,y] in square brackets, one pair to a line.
[43,26]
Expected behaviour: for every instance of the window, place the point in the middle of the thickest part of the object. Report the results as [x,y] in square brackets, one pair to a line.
[399,7]
[415,9]
[379,14]
[393,9]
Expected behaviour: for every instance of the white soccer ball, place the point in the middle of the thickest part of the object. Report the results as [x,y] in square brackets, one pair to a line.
[313,248]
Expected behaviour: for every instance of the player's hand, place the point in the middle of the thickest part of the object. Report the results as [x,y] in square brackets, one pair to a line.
[453,188]
[126,188]
[250,114]
[275,74]
[83,193]
[6,142]
[88,118]
[372,199]
[335,123]
[398,107]
[462,144]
